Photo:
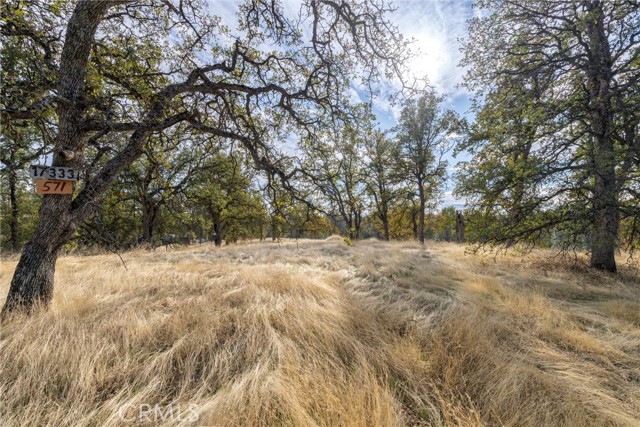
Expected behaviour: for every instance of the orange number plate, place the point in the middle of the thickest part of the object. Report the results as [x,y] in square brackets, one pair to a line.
[54,186]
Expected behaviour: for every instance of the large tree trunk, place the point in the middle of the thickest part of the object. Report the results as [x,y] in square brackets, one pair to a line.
[357,224]
[273,228]
[276,231]
[414,222]
[149,215]
[351,232]
[460,227]
[605,194]
[385,226]
[219,230]
[32,282]
[605,207]
[421,214]
[606,224]
[13,201]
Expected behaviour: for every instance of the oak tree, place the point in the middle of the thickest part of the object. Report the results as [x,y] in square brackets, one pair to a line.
[425,133]
[564,76]
[382,179]
[274,74]
[334,167]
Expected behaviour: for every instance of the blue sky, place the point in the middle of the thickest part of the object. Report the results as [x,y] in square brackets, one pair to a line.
[437,27]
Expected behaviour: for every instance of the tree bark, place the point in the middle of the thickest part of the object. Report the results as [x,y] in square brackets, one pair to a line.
[32,283]
[219,230]
[460,227]
[351,230]
[605,206]
[421,213]
[13,201]
[273,228]
[605,195]
[382,211]
[149,215]
[414,222]
[606,224]
[385,226]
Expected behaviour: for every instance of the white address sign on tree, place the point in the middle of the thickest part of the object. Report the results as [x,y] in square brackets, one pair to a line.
[53,172]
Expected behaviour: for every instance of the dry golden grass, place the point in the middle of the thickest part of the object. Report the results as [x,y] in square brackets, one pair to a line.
[320,334]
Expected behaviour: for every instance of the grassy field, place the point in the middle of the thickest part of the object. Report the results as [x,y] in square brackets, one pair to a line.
[314,333]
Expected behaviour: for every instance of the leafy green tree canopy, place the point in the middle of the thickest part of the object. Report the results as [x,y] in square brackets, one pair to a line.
[557,141]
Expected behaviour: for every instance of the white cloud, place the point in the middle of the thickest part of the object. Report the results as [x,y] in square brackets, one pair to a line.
[354,96]
[436,26]
[448,199]
[382,105]
[226,10]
